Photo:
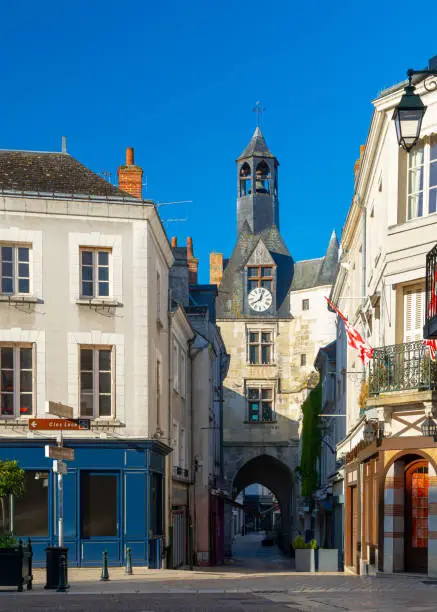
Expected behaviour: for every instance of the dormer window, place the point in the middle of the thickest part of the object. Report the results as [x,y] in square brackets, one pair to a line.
[245,180]
[262,178]
[260,276]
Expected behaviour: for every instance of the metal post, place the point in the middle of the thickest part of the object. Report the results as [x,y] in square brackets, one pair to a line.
[62,585]
[105,574]
[60,511]
[128,569]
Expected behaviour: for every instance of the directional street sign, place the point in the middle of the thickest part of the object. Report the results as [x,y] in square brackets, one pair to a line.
[59,467]
[58,424]
[59,452]
[60,410]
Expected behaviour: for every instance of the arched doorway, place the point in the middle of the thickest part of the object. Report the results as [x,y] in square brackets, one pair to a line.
[277,477]
[408,513]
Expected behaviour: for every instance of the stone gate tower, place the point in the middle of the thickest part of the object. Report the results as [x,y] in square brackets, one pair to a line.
[273,319]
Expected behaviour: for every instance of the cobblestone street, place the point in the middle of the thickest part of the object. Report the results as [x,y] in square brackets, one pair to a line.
[259,578]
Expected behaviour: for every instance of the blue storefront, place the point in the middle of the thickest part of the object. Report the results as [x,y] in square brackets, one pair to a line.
[113,499]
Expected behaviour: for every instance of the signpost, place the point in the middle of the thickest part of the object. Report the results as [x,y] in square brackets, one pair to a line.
[59,410]
[58,424]
[59,452]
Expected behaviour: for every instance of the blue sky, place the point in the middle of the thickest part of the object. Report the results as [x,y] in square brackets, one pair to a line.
[178,81]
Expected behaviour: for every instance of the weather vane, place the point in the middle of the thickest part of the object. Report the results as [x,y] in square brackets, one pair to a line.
[259,111]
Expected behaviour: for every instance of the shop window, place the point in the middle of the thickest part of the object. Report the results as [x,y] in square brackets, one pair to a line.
[31,518]
[16,380]
[99,515]
[96,374]
[156,505]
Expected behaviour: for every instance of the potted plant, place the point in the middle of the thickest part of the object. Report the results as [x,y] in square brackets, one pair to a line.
[327,560]
[304,554]
[15,558]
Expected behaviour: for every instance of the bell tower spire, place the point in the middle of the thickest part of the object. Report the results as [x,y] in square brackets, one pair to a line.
[257,175]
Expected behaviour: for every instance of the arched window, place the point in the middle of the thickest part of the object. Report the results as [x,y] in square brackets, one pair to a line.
[262,178]
[245,180]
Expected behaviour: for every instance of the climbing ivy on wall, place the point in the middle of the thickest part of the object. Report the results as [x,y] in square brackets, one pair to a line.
[311,441]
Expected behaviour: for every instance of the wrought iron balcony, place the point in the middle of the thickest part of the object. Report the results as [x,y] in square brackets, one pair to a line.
[430,327]
[402,367]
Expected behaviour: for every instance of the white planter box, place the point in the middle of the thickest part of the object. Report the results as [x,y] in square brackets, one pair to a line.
[328,560]
[305,560]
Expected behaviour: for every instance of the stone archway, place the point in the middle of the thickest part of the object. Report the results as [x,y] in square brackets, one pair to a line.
[276,476]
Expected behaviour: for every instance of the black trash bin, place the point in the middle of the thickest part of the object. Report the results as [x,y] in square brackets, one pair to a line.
[53,555]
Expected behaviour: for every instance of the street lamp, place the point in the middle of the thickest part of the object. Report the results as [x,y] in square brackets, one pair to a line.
[409,113]
[429,428]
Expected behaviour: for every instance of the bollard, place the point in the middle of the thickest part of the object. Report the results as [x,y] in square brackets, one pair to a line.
[62,585]
[105,575]
[128,568]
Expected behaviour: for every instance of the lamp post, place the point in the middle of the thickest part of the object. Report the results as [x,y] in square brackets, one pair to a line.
[409,113]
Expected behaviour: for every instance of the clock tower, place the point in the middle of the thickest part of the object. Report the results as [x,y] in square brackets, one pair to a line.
[273,319]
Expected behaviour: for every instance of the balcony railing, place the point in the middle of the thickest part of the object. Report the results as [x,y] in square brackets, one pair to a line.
[430,328]
[402,367]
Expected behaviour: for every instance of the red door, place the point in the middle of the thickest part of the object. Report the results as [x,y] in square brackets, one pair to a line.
[416,517]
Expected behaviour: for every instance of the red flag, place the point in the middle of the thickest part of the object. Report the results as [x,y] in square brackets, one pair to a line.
[432,306]
[354,338]
[432,345]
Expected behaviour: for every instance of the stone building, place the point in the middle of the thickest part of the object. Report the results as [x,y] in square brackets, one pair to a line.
[273,320]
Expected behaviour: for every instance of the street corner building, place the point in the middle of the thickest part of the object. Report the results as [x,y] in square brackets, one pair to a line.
[83,321]
[271,312]
[387,461]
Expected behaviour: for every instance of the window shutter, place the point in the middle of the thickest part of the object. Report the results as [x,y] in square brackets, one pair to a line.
[414,308]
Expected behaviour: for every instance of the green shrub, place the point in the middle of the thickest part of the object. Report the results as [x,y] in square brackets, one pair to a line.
[299,543]
[7,540]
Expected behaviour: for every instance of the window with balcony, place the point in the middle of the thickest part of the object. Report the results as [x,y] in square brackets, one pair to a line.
[94,273]
[260,276]
[16,380]
[260,404]
[260,345]
[96,381]
[14,269]
[422,180]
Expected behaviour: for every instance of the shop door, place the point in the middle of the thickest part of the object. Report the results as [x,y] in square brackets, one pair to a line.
[353,520]
[99,517]
[416,517]
[179,537]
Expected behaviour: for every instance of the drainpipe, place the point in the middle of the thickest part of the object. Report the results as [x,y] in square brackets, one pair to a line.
[168,483]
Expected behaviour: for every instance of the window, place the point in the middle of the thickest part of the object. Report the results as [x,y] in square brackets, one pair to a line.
[260,347]
[414,313]
[99,512]
[16,380]
[245,180]
[94,272]
[260,403]
[31,511]
[175,454]
[95,382]
[422,181]
[305,304]
[262,178]
[158,296]
[303,359]
[260,276]
[179,360]
[158,393]
[182,448]
[15,269]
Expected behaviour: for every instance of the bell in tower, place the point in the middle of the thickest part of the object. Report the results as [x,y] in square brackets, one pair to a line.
[257,202]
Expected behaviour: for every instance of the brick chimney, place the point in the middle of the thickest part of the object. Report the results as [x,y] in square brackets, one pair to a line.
[193,263]
[358,162]
[215,268]
[174,242]
[130,177]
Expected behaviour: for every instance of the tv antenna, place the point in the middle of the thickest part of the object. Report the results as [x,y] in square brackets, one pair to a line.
[105,174]
[174,220]
[158,204]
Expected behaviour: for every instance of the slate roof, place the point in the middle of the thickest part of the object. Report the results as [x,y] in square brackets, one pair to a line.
[317,272]
[51,173]
[257,147]
[230,301]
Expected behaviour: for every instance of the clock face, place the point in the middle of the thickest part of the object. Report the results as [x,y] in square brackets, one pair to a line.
[260,299]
